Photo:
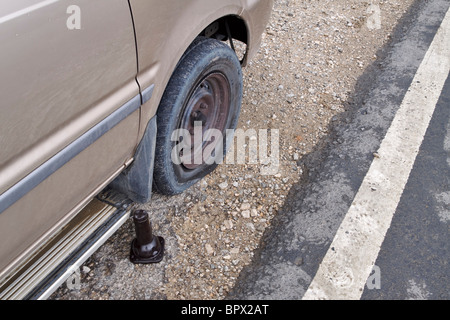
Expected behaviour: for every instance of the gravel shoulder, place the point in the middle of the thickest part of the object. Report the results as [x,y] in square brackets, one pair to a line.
[312,54]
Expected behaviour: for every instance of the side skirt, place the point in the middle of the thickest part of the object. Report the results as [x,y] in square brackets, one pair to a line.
[63,255]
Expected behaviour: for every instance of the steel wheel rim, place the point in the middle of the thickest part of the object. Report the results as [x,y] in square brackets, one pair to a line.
[208,105]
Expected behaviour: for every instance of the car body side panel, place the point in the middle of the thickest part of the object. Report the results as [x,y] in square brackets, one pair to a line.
[57,84]
[54,79]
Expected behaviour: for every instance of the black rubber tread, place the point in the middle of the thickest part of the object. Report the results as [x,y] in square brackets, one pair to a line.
[204,56]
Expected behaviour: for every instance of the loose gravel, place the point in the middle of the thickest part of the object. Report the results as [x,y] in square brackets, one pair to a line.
[311,57]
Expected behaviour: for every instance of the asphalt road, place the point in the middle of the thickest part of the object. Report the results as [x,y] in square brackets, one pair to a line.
[414,258]
[412,261]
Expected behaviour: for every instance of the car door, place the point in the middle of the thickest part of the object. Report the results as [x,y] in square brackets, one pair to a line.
[69,112]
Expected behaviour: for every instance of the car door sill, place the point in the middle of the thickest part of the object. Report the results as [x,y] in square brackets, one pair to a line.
[64,254]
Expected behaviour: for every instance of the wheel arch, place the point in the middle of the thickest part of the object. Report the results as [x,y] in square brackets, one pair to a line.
[230,26]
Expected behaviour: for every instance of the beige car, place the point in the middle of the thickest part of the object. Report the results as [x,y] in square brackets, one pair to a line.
[91,93]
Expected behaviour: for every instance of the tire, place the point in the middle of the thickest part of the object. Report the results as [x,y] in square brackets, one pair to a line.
[206,89]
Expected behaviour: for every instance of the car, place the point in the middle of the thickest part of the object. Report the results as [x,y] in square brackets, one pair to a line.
[91,95]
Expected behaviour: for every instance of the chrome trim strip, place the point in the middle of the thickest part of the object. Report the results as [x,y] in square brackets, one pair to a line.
[79,262]
[147,94]
[19,190]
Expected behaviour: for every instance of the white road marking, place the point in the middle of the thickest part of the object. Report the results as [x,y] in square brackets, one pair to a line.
[349,261]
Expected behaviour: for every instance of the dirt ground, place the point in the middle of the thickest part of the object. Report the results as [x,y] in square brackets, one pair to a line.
[311,56]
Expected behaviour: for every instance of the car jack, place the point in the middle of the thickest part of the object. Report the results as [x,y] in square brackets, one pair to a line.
[146,248]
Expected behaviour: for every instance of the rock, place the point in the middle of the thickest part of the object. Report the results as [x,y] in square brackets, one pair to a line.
[228,224]
[246,214]
[209,249]
[299,261]
[86,269]
[223,185]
